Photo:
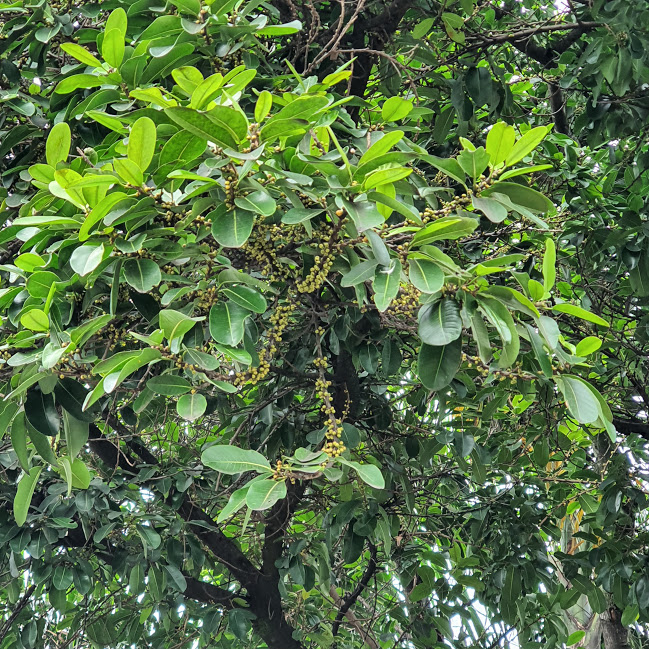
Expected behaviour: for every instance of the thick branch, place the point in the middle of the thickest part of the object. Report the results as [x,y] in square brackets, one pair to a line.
[626,427]
[201,591]
[263,592]
[614,634]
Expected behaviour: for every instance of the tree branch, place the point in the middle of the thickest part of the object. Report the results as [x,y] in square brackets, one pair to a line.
[24,600]
[263,592]
[201,591]
[626,427]
[276,523]
[350,599]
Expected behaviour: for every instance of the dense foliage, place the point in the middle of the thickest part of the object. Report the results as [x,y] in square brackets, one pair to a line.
[323,324]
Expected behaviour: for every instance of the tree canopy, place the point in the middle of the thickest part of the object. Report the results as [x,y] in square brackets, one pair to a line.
[324,324]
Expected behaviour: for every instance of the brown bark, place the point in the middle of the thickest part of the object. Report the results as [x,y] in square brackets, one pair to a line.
[615,635]
[263,597]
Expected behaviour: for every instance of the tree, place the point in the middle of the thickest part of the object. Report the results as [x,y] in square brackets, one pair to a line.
[323,325]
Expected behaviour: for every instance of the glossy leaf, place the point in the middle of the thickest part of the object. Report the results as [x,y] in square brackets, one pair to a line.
[232,459]
[437,365]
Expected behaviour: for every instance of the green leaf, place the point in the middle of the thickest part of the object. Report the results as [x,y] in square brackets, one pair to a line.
[43,446]
[231,460]
[302,108]
[450,167]
[39,284]
[65,465]
[474,162]
[112,47]
[191,406]
[500,317]
[396,108]
[436,366]
[201,359]
[169,385]
[575,637]
[227,320]
[200,124]
[76,433]
[364,215]
[539,351]
[29,261]
[422,28]
[206,91]
[446,228]
[523,196]
[76,82]
[142,142]
[263,494]
[187,77]
[175,324]
[386,284]
[359,273]
[496,212]
[99,212]
[150,538]
[281,30]
[19,439]
[86,258]
[440,322]
[500,141]
[82,55]
[579,312]
[481,337]
[510,594]
[536,290]
[177,577]
[142,274]
[236,502]
[182,147]
[246,297]
[24,493]
[57,147]
[81,477]
[299,215]
[260,202]
[588,346]
[106,120]
[156,582]
[233,228]
[136,579]
[129,172]
[581,402]
[368,473]
[381,146]
[526,144]
[231,120]
[35,320]
[70,394]
[385,176]
[277,128]
[263,106]
[630,614]
[117,20]
[549,265]
[522,171]
[121,359]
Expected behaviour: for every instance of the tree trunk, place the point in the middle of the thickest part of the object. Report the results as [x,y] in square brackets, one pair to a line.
[615,635]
